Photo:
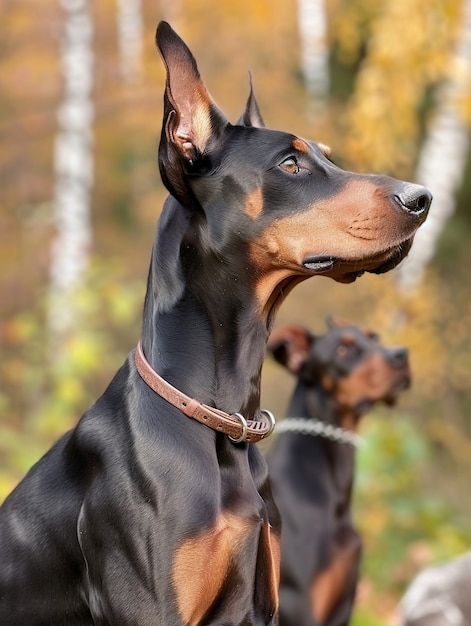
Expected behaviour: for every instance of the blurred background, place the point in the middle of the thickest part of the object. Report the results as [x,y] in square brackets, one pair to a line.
[386,83]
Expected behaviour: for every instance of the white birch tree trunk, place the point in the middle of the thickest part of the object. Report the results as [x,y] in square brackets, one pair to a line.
[312,24]
[73,166]
[443,159]
[130,36]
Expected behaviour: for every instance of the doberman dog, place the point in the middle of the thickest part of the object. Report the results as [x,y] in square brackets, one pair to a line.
[155,509]
[340,376]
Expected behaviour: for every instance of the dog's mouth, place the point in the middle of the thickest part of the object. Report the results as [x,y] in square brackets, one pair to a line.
[402,384]
[348,270]
[390,397]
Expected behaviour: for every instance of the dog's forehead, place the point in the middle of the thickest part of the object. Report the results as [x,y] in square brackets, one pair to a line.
[344,335]
[271,142]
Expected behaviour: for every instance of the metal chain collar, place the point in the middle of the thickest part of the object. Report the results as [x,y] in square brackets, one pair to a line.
[317,428]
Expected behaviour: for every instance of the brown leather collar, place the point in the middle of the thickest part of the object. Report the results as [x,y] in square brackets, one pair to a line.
[235,426]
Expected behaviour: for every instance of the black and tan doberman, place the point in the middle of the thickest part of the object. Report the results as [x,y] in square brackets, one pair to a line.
[155,509]
[340,376]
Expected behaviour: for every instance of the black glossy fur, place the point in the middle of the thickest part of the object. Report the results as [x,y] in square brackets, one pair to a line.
[140,515]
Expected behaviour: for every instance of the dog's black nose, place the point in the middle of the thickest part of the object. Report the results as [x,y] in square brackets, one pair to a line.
[413,198]
[398,357]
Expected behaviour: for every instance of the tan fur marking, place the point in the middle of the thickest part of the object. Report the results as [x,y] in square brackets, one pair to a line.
[358,224]
[254,204]
[330,584]
[373,380]
[272,543]
[201,565]
[201,121]
[300,145]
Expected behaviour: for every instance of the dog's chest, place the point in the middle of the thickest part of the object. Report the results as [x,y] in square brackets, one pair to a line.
[213,566]
[221,571]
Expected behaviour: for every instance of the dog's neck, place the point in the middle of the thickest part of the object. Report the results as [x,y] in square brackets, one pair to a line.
[201,330]
[320,404]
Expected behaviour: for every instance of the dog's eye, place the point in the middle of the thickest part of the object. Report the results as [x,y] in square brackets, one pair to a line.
[290,165]
[348,352]
[342,351]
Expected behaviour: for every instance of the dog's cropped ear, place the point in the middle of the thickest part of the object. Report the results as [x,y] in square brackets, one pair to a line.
[290,346]
[251,116]
[192,121]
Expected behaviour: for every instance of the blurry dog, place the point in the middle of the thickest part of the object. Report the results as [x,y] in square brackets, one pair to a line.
[341,375]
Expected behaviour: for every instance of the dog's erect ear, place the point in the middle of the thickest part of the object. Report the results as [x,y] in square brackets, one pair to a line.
[251,116]
[339,322]
[290,346]
[192,121]
[333,321]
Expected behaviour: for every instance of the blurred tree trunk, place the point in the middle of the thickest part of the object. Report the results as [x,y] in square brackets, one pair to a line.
[312,24]
[443,157]
[73,165]
[130,35]
[130,38]
[383,114]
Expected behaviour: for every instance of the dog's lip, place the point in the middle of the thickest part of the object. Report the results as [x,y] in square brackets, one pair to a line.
[389,398]
[325,263]
[320,264]
[403,383]
[378,263]
[333,266]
